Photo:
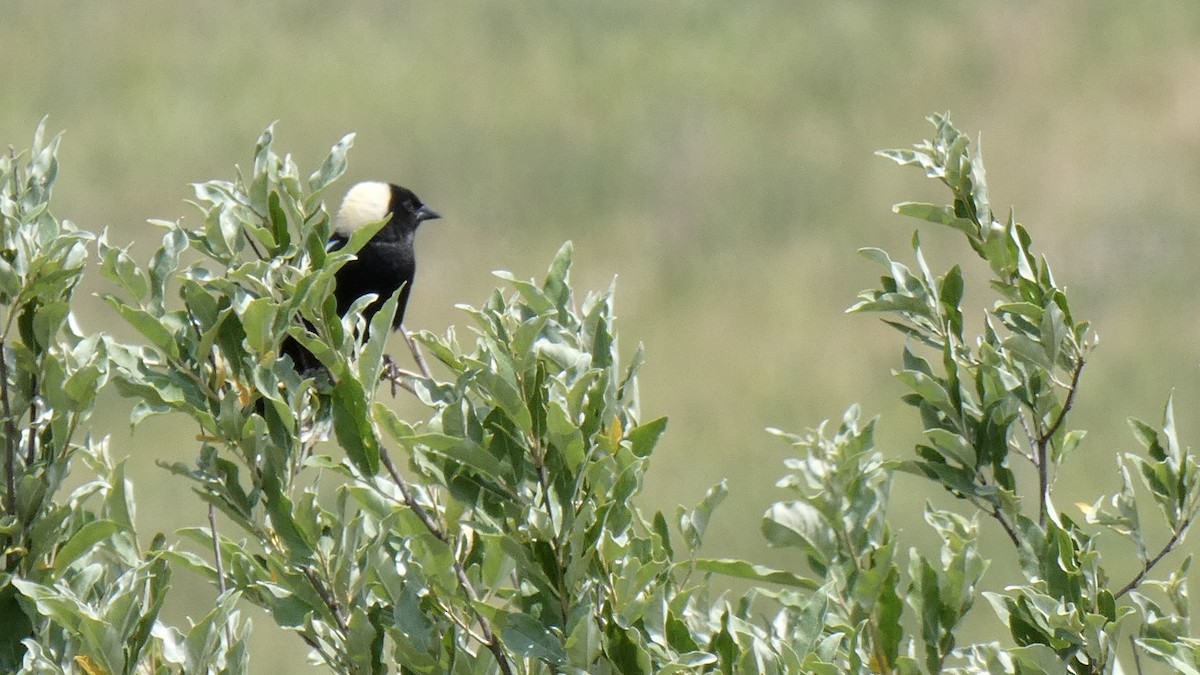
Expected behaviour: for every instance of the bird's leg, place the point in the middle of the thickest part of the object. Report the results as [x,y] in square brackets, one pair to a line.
[416,352]
[389,372]
[397,376]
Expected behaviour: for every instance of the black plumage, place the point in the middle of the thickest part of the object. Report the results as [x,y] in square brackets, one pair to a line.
[387,262]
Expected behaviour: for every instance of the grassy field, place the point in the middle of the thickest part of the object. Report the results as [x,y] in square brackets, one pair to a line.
[716,158]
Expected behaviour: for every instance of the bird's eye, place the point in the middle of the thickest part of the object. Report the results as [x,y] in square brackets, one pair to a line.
[409,206]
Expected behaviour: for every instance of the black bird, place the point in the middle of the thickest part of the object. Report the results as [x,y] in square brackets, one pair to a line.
[387,262]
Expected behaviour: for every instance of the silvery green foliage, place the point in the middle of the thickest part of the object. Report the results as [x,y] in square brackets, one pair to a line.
[500,532]
[78,590]
[512,542]
[987,402]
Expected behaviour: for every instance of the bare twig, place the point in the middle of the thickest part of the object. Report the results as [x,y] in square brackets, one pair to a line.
[254,246]
[1043,445]
[216,542]
[1008,528]
[996,512]
[1137,659]
[416,352]
[327,597]
[1074,387]
[490,639]
[1176,538]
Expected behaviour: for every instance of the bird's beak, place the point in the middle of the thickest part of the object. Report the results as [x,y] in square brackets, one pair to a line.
[425,213]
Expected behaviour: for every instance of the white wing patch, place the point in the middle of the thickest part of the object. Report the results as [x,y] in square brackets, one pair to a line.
[364,204]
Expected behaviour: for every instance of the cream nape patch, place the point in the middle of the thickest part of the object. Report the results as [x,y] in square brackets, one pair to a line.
[365,203]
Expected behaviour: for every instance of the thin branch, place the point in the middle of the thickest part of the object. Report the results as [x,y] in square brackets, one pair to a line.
[1175,540]
[1074,387]
[996,512]
[10,438]
[1029,437]
[212,529]
[1043,445]
[1008,528]
[1137,659]
[330,601]
[1043,469]
[491,640]
[216,542]
[31,452]
[555,544]
[254,246]
[416,352]
[400,372]
[544,483]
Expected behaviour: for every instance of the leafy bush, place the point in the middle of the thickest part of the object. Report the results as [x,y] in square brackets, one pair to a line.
[509,540]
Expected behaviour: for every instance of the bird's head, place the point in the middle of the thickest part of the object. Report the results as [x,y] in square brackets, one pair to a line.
[371,201]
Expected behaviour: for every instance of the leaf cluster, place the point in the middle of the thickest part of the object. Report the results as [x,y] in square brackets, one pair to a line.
[501,532]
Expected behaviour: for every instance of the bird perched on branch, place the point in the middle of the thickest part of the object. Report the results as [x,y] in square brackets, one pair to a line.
[387,262]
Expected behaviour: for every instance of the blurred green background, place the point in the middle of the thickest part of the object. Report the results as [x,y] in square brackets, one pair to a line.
[715,157]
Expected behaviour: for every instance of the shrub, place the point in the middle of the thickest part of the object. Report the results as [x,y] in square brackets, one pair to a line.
[502,534]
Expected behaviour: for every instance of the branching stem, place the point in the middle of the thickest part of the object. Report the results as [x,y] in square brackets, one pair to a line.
[1176,538]
[416,352]
[490,639]
[1043,445]
[330,601]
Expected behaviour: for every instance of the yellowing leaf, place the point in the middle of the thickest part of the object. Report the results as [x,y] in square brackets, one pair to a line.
[614,435]
[89,666]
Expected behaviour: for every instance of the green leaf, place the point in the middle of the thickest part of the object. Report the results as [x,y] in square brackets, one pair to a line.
[333,167]
[1038,658]
[942,215]
[117,266]
[744,570]
[1148,437]
[693,523]
[644,437]
[800,524]
[1183,655]
[953,446]
[370,359]
[361,236]
[280,235]
[82,542]
[15,626]
[528,638]
[148,325]
[352,425]
[165,262]
[258,320]
[557,285]
[464,451]
[929,389]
